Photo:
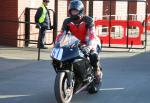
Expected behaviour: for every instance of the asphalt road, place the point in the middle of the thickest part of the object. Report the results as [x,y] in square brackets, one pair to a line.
[126,80]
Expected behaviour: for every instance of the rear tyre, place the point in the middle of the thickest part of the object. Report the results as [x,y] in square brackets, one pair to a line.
[94,87]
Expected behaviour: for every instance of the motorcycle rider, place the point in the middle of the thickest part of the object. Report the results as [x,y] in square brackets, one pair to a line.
[82,27]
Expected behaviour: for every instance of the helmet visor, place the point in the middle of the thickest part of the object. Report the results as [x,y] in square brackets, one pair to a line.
[74,12]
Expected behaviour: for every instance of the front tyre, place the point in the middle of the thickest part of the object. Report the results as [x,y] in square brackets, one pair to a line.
[63,93]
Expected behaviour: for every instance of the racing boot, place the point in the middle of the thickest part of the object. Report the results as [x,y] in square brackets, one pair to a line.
[95,86]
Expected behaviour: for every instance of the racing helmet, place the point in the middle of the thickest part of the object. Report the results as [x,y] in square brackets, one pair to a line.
[76,5]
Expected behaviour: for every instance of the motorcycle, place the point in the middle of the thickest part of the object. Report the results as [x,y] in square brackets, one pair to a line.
[74,70]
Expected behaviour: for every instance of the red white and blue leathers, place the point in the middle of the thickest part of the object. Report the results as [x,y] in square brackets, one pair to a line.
[83,29]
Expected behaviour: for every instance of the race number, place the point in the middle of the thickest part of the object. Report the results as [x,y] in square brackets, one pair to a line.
[57,53]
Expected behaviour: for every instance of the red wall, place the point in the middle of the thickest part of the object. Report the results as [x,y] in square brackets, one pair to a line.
[148,7]
[8,30]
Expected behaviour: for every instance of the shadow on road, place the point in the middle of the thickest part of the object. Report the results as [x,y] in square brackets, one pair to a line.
[31,81]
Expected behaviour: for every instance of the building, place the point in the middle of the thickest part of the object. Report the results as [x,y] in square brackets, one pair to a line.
[13,13]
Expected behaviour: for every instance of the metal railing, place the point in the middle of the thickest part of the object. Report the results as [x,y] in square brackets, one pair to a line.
[27,40]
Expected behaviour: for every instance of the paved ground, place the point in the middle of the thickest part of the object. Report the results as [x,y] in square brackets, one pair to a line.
[23,79]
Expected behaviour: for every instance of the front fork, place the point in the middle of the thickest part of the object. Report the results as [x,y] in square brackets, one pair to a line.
[70,81]
[70,76]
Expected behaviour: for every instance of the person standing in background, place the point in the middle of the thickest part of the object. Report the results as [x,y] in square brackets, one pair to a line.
[42,19]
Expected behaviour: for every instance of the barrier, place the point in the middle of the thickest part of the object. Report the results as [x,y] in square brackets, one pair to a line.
[125,39]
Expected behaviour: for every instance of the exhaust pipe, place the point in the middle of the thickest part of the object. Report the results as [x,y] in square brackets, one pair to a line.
[82,88]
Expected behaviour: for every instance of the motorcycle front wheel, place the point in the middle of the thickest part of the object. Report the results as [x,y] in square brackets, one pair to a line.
[63,94]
